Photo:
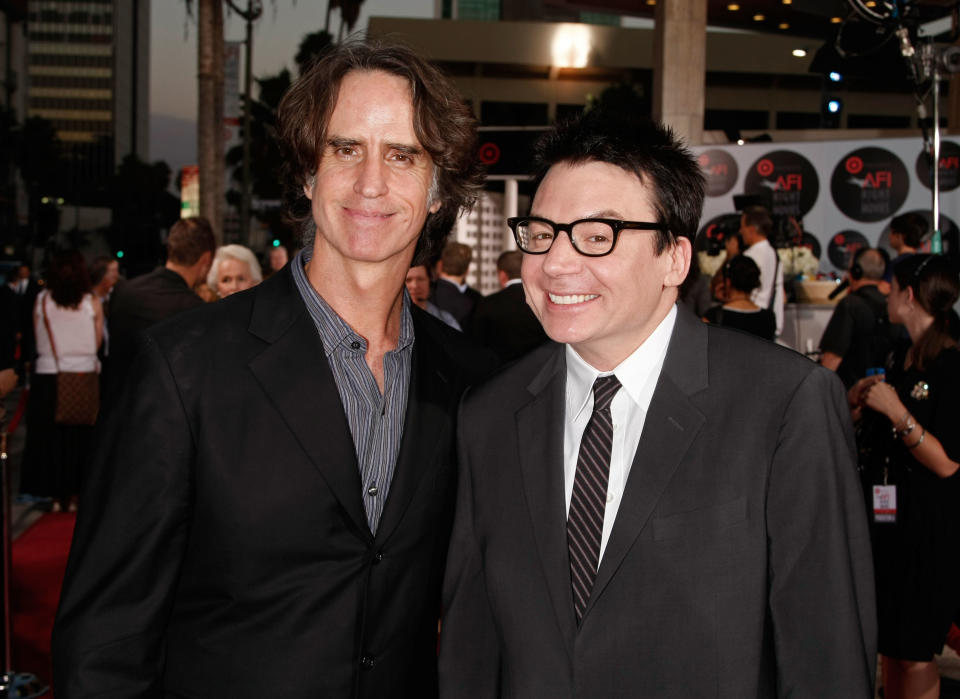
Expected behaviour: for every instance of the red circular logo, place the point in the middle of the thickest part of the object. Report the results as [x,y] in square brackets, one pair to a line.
[854,165]
[765,167]
[489,153]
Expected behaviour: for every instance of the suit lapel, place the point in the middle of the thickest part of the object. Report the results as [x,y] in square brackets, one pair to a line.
[427,426]
[670,427]
[540,440]
[294,373]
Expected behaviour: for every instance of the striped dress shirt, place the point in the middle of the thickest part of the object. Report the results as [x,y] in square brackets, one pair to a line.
[375,419]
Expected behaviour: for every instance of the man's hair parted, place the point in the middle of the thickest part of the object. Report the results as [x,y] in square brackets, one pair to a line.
[443,123]
[648,149]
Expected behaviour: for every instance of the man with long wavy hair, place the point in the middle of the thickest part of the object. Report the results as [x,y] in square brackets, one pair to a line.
[270,509]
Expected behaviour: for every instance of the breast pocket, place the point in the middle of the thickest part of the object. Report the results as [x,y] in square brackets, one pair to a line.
[703,521]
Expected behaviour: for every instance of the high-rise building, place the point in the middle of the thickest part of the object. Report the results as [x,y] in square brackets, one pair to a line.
[88,75]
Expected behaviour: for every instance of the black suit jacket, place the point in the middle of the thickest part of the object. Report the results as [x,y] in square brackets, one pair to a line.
[139,303]
[739,563]
[222,548]
[461,304]
[505,323]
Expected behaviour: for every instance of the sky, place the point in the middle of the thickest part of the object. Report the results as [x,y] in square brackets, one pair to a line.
[173,58]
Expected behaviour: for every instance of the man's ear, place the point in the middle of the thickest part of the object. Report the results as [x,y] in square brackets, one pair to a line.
[308,187]
[206,259]
[680,253]
[435,206]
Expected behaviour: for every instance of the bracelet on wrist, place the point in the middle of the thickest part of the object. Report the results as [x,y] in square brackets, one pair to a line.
[910,427]
[901,421]
[923,434]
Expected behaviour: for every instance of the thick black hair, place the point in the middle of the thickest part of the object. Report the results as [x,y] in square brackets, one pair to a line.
[646,148]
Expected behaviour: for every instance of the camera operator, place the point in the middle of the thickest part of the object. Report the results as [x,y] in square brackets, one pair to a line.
[756,225]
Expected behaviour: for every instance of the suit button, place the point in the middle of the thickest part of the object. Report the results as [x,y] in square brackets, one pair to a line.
[378,556]
[355,345]
[367,662]
[372,491]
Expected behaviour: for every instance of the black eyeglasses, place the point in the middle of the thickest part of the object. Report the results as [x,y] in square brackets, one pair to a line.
[593,237]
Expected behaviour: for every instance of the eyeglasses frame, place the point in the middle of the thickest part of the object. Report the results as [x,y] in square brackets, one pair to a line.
[617,225]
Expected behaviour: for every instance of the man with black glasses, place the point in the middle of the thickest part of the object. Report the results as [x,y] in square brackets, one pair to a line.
[654,507]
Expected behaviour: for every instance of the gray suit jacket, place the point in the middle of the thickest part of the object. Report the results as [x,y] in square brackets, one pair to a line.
[739,564]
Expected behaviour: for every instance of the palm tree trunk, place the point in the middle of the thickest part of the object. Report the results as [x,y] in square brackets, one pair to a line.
[210,112]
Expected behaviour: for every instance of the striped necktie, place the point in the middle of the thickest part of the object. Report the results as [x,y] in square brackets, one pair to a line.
[589,499]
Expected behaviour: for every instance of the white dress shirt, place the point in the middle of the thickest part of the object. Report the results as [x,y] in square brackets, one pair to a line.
[638,375]
[765,255]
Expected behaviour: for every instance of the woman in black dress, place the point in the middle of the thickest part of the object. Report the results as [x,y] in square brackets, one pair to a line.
[915,512]
[740,276]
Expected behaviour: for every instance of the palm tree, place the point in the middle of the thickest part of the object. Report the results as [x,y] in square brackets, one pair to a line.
[210,155]
[210,111]
[349,14]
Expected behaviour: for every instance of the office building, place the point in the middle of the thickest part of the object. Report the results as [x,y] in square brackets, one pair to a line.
[88,75]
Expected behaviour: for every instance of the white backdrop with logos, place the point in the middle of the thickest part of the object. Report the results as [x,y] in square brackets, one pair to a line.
[844,192]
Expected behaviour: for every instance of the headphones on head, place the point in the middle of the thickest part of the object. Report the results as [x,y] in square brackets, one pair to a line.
[856,271]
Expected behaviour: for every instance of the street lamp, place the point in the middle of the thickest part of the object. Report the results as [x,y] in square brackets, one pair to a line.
[250,15]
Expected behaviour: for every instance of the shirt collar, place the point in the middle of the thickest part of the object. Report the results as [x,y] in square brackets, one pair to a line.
[634,372]
[334,330]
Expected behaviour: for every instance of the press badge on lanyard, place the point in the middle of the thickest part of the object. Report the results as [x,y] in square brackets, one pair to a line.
[884,503]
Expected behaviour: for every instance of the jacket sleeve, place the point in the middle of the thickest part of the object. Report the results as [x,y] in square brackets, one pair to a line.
[131,533]
[469,648]
[821,589]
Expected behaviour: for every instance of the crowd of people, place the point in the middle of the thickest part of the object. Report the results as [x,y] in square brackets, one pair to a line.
[296,473]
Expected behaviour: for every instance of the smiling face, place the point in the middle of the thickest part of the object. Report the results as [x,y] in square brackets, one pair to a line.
[605,307]
[233,276]
[371,188]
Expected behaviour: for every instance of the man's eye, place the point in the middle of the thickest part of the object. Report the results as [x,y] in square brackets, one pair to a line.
[345,150]
[541,235]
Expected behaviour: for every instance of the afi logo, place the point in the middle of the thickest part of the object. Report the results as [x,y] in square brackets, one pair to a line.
[878,179]
[719,169]
[951,163]
[786,183]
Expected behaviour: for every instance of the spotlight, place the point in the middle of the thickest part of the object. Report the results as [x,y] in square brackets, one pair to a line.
[835,76]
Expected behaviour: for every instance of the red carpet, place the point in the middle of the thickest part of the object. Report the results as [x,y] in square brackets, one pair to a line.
[39,561]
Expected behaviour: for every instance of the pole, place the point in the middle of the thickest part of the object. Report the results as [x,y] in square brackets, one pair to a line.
[936,239]
[251,14]
[245,205]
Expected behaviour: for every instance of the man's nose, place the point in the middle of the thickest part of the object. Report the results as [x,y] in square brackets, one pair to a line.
[562,257]
[371,178]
